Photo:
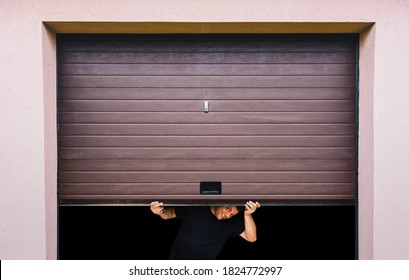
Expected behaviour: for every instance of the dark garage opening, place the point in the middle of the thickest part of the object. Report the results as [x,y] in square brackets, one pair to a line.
[134,233]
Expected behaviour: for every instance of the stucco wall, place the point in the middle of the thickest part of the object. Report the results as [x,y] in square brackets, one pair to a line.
[27,100]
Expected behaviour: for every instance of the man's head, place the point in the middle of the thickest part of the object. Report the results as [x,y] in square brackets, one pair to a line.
[226,212]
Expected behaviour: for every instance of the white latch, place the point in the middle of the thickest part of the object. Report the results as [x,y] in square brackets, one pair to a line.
[206,106]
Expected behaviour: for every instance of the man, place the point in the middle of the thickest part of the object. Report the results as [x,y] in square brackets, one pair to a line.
[205,229]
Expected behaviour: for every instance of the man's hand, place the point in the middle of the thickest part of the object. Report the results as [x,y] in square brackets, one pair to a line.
[250,229]
[251,207]
[157,207]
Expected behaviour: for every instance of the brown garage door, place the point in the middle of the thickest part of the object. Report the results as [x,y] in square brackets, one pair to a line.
[280,126]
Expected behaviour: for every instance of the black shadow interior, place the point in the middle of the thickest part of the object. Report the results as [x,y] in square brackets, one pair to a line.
[134,233]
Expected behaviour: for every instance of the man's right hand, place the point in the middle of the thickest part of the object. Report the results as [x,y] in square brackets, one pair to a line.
[156,207]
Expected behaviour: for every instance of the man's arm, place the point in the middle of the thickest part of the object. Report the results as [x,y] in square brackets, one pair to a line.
[250,229]
[158,209]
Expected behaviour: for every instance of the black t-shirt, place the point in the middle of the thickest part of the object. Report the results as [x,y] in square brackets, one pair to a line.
[201,234]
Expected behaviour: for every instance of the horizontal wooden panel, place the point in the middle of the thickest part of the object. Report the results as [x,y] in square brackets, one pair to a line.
[193,188]
[207,141]
[214,106]
[189,177]
[199,117]
[205,57]
[205,69]
[209,130]
[188,193]
[207,81]
[205,93]
[208,165]
[207,153]
[205,43]
[206,199]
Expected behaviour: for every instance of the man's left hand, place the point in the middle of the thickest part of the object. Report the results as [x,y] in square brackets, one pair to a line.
[251,207]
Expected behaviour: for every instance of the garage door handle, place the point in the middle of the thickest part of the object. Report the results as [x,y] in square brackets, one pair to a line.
[206,106]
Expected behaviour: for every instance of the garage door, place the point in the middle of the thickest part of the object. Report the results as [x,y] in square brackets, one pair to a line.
[150,117]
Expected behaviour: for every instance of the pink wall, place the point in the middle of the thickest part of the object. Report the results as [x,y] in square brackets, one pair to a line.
[27,101]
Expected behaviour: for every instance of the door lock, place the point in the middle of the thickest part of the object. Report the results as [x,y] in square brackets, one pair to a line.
[206,106]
